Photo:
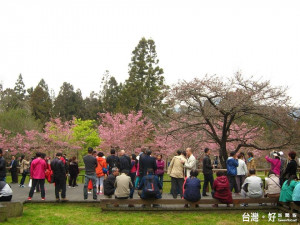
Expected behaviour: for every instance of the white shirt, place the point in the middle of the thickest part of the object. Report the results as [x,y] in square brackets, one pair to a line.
[6,191]
[254,186]
[242,168]
[190,164]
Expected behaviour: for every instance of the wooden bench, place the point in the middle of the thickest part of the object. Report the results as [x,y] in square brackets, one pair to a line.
[178,204]
[289,207]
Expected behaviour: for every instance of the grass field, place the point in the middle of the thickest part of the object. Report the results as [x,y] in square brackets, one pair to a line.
[73,214]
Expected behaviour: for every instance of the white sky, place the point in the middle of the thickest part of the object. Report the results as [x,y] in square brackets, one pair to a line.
[76,41]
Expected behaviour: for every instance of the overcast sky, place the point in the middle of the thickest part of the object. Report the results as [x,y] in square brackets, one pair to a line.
[76,41]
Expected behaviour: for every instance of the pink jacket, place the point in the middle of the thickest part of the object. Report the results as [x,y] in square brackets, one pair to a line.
[275,165]
[37,168]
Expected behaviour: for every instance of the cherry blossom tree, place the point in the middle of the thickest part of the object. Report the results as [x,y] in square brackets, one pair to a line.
[130,132]
[219,110]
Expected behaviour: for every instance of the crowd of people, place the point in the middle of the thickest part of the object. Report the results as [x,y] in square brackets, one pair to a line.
[121,175]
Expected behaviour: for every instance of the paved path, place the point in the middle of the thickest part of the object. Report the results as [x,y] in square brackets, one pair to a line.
[76,195]
[73,194]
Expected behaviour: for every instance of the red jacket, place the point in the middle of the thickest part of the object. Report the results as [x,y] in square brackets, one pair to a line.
[222,191]
[101,164]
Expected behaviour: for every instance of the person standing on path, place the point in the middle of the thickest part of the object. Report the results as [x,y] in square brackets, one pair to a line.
[160,169]
[242,171]
[73,171]
[113,160]
[190,163]
[2,166]
[232,164]
[176,172]
[147,162]
[59,174]
[24,169]
[14,169]
[275,162]
[37,174]
[207,171]
[100,172]
[90,163]
[125,161]
[251,164]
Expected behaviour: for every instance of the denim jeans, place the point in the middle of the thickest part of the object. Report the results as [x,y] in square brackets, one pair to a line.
[87,178]
[232,183]
[24,174]
[161,179]
[132,176]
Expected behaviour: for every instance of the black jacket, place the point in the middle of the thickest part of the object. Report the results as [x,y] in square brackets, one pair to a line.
[125,163]
[73,168]
[2,167]
[145,163]
[291,168]
[113,161]
[14,167]
[58,168]
[207,167]
[109,185]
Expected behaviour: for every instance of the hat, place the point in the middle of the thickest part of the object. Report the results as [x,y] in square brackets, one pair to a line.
[280,153]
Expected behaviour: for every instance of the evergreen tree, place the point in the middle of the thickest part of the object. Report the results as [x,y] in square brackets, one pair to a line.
[93,106]
[110,94]
[40,102]
[20,88]
[144,88]
[68,103]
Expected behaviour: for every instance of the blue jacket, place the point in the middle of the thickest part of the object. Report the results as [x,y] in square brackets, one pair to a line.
[231,165]
[192,188]
[157,187]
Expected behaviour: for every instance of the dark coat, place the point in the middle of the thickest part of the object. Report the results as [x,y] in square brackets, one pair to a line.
[14,167]
[2,167]
[73,169]
[207,167]
[109,185]
[58,168]
[113,161]
[145,163]
[291,169]
[125,163]
[192,188]
[221,190]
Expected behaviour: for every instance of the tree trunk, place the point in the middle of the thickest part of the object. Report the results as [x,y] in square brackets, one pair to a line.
[223,155]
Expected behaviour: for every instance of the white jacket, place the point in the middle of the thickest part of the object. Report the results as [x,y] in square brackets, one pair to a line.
[190,164]
[272,184]
[242,168]
[6,191]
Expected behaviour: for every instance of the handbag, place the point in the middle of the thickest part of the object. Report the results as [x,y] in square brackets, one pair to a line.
[30,183]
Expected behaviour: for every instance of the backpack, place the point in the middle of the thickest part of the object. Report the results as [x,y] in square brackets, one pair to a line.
[114,162]
[149,187]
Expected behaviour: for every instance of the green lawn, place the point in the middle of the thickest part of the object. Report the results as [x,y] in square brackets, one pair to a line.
[84,214]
